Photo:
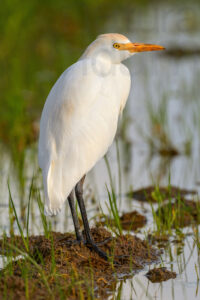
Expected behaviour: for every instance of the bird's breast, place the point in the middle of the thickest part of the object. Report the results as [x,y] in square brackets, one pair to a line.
[99,124]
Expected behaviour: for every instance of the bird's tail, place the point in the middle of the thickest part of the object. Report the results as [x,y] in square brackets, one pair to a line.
[55,194]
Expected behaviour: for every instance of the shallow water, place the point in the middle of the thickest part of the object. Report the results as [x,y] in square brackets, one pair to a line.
[181,259]
[160,83]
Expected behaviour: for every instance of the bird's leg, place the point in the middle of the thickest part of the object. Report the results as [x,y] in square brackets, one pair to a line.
[74,217]
[89,240]
[79,237]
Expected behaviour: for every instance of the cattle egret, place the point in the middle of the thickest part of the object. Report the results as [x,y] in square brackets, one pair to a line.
[79,122]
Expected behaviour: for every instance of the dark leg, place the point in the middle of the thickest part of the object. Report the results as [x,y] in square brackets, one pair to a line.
[89,240]
[79,237]
[75,217]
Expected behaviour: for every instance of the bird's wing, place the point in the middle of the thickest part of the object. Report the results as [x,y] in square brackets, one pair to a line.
[78,124]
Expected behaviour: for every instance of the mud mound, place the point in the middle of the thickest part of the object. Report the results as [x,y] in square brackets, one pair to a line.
[160,274]
[150,194]
[129,221]
[132,220]
[72,269]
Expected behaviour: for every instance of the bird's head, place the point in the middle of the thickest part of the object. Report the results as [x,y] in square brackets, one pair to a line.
[116,47]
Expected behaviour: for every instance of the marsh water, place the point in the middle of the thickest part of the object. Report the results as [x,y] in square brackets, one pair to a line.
[158,142]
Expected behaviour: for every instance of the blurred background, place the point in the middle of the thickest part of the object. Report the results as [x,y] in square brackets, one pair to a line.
[158,140]
[158,136]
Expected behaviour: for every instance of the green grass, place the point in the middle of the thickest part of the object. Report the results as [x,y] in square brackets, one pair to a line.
[28,210]
[25,241]
[32,261]
[113,210]
[28,262]
[171,219]
[45,223]
[164,216]
[197,238]
[109,171]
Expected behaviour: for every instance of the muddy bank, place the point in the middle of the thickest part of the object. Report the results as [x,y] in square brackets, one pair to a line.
[151,194]
[160,274]
[129,221]
[72,269]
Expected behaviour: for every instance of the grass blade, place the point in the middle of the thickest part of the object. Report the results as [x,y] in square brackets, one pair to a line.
[17,220]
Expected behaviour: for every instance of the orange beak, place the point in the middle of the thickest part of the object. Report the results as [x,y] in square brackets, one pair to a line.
[139,47]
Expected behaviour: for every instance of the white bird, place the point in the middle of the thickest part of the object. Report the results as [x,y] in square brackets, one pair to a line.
[79,121]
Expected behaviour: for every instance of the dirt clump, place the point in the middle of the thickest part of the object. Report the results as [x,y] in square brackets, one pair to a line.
[129,221]
[160,274]
[58,266]
[132,220]
[151,193]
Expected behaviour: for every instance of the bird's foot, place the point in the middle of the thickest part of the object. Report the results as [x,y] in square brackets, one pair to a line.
[70,242]
[81,240]
[120,258]
[104,242]
[91,245]
[94,246]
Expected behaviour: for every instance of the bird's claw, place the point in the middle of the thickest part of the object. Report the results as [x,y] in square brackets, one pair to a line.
[104,241]
[69,241]
[94,246]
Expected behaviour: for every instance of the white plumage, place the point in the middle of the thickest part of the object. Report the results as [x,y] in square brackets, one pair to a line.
[80,116]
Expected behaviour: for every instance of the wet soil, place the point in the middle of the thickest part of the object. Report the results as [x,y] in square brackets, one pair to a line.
[180,213]
[72,269]
[149,194]
[160,274]
[130,221]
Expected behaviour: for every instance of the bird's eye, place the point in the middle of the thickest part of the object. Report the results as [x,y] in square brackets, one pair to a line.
[116,45]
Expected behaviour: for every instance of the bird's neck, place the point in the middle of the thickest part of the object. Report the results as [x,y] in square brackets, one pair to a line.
[101,56]
[100,64]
